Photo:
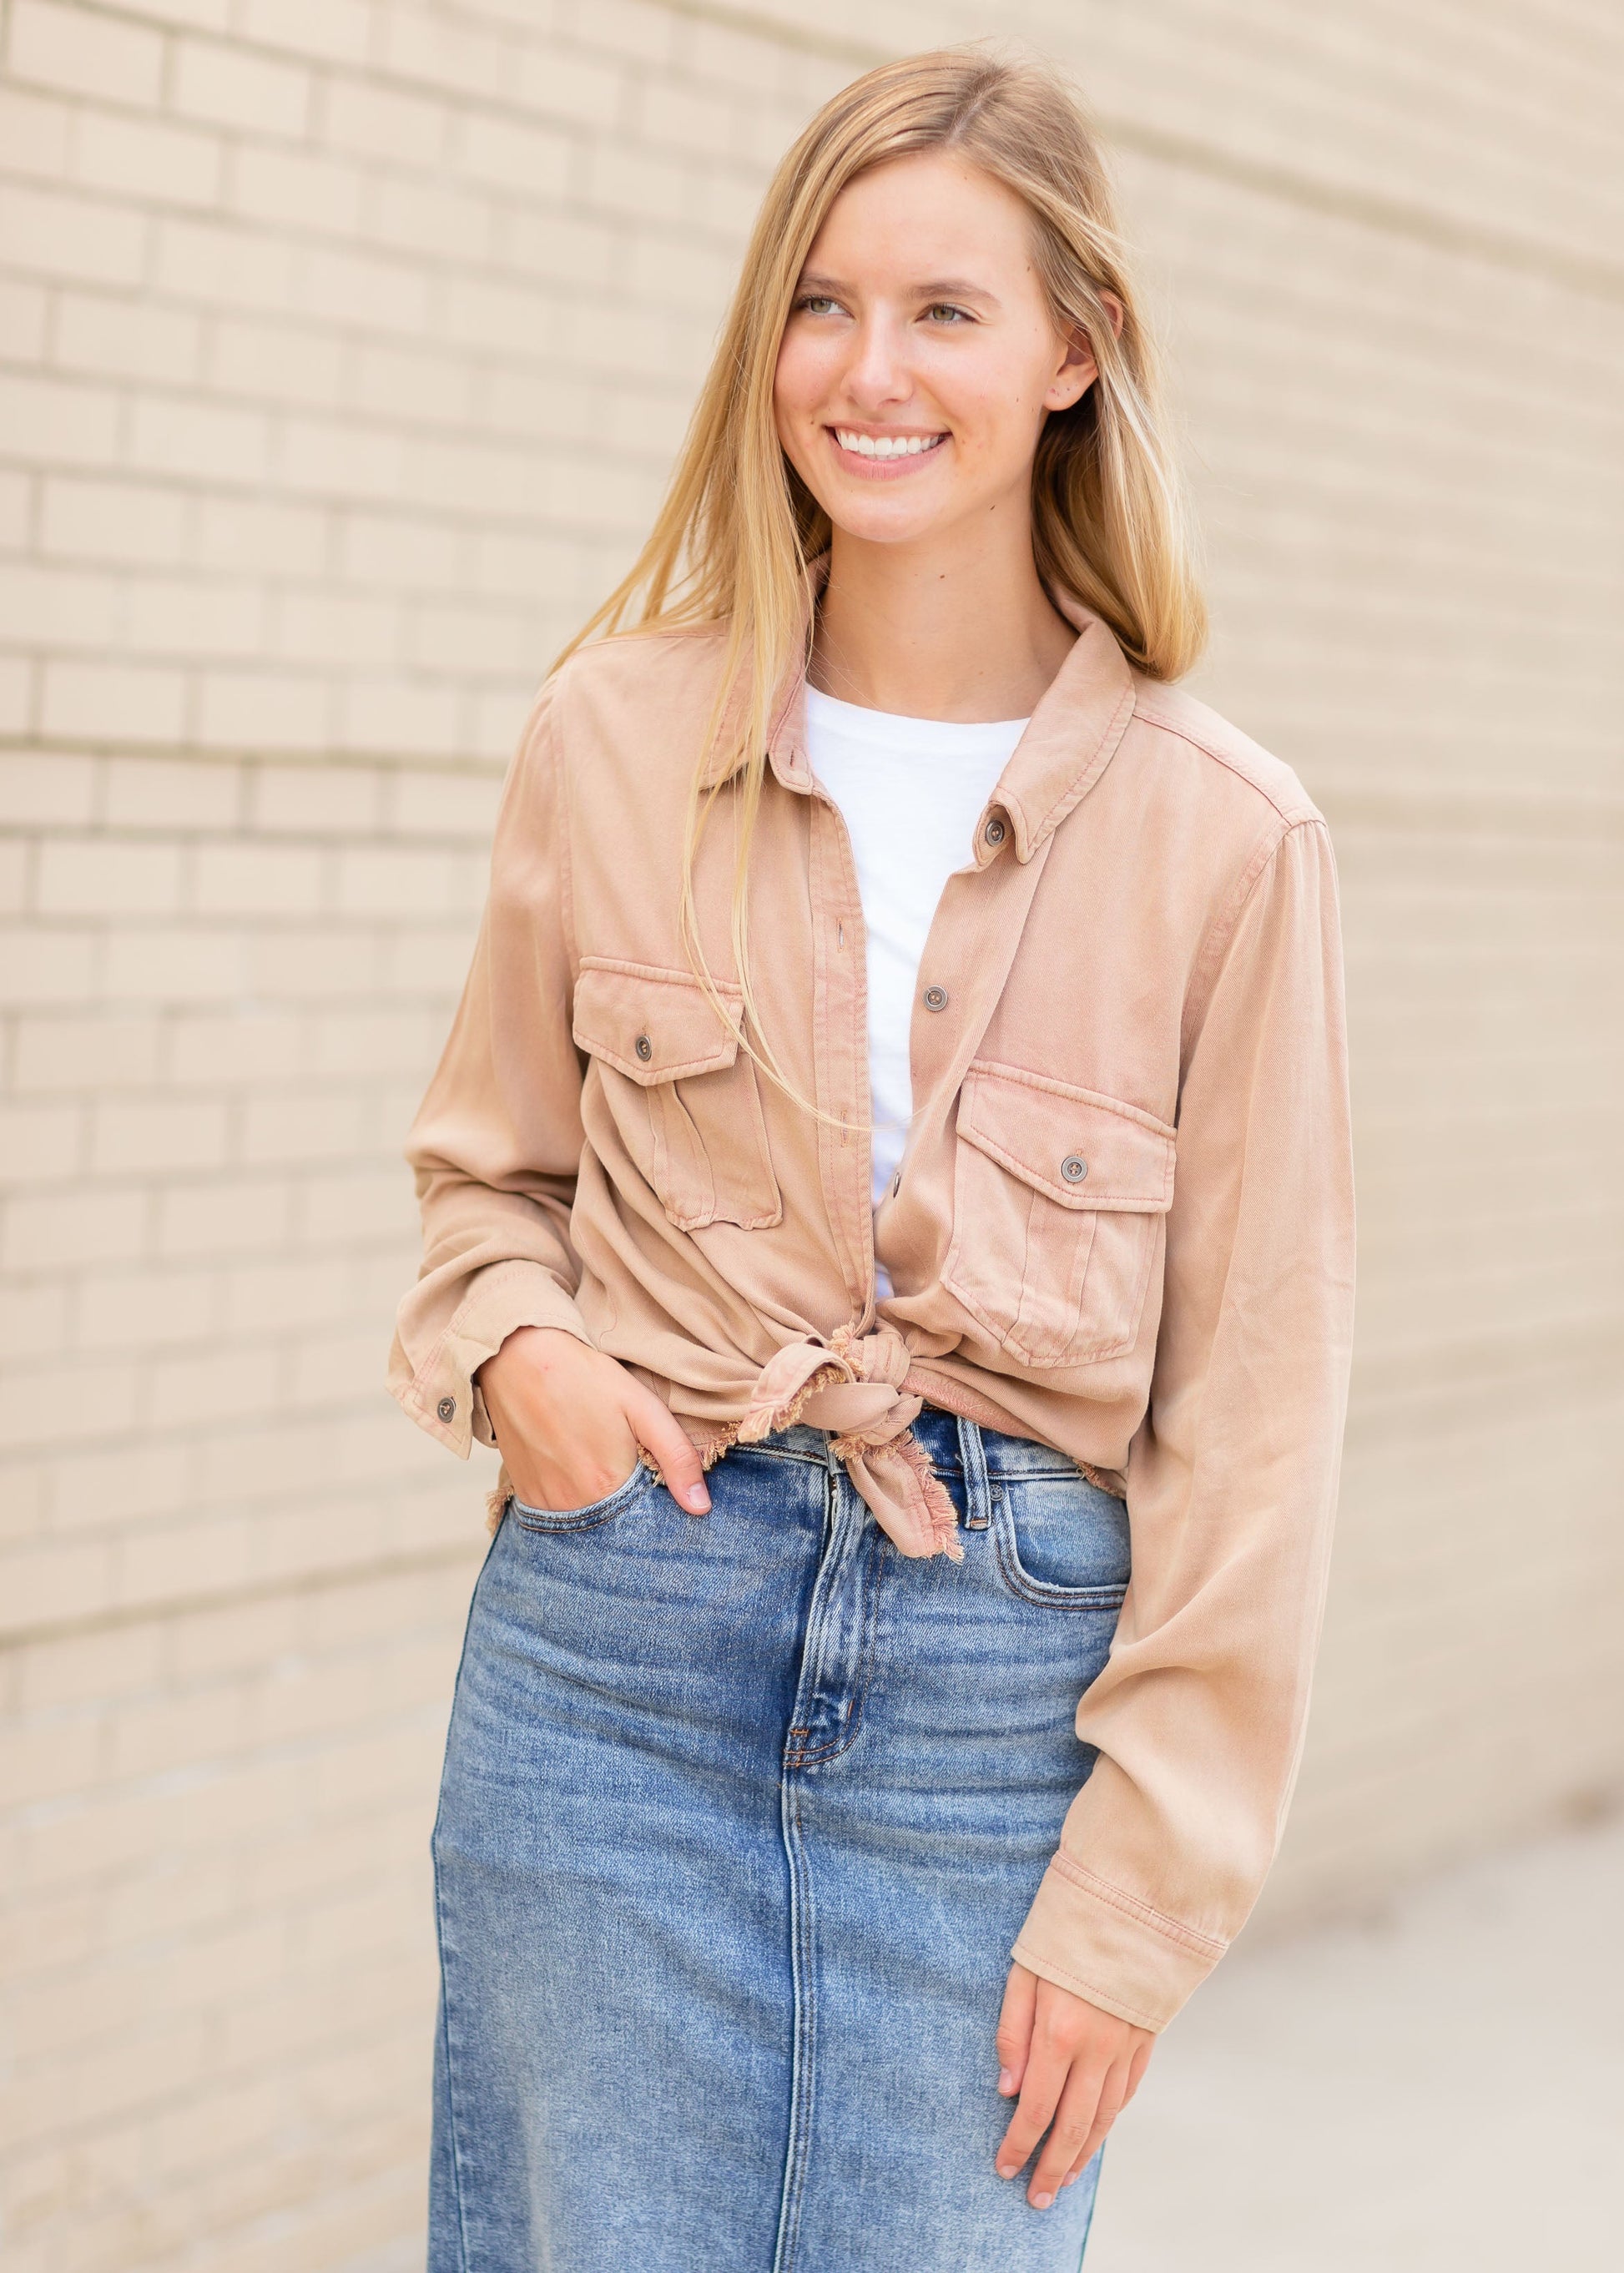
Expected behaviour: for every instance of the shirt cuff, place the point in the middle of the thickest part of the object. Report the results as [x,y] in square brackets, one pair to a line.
[1112,1948]
[442,1396]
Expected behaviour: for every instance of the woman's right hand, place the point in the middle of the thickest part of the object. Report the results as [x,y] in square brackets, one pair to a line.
[570,1422]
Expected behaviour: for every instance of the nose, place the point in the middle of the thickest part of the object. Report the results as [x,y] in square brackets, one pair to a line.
[877,376]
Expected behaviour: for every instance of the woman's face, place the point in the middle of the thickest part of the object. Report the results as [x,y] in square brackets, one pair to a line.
[920,359]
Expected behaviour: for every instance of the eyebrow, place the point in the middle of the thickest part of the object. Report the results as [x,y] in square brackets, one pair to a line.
[936,288]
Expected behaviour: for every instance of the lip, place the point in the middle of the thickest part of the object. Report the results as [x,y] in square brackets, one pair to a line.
[883,469]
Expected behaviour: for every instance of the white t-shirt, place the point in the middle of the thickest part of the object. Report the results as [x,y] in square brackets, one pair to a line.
[911,792]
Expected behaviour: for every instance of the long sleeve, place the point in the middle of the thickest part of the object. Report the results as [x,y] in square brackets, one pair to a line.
[497,1141]
[1199,1716]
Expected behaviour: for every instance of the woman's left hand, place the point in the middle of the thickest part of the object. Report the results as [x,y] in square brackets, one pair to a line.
[1075,2069]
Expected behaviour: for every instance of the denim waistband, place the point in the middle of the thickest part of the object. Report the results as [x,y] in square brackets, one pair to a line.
[939,1435]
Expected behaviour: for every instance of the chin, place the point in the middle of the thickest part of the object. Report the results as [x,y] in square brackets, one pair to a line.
[882,520]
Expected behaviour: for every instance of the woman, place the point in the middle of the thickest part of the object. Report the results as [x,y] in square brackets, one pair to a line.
[888,1176]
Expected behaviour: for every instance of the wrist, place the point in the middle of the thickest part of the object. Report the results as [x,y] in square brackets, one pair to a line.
[535,1348]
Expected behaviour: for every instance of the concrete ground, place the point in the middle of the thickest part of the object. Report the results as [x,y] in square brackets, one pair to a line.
[1438,2091]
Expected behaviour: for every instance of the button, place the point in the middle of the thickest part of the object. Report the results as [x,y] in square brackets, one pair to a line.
[936,998]
[644,1047]
[994,831]
[1073,1169]
[447,1408]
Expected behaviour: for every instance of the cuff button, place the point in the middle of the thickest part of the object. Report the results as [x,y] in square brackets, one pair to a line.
[447,1408]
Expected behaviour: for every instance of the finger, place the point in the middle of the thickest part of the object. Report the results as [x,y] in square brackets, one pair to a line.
[1069,2133]
[1132,2075]
[661,1433]
[1014,2040]
[1113,2099]
[1047,2069]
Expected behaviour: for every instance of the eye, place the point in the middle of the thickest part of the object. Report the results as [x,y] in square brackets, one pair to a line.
[943,312]
[815,303]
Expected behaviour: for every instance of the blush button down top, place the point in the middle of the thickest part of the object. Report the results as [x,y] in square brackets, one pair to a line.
[1124,1224]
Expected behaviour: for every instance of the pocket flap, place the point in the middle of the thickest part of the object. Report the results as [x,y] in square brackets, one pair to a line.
[1074,1145]
[652,1026]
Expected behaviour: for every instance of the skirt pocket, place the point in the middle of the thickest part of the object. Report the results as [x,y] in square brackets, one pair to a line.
[1060,1540]
[583,1519]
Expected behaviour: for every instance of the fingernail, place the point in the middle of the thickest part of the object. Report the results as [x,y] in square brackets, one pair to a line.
[1042,2201]
[1006,2170]
[698,1498]
[1006,2079]
[1071,2178]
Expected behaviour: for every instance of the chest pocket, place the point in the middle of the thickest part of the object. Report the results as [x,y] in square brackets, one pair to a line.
[1059,1201]
[683,1093]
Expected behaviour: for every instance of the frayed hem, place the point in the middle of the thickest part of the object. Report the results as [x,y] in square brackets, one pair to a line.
[766,1420]
[709,1448]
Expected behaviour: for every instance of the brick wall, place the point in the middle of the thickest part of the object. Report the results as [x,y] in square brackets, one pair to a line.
[343,344]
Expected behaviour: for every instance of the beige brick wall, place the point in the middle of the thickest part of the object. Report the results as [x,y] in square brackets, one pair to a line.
[343,344]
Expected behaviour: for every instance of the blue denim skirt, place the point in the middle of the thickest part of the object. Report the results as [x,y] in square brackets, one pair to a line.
[739,1818]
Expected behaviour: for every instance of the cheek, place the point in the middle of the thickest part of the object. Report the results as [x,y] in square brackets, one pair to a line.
[801,377]
[992,384]
[991,428]
[996,413]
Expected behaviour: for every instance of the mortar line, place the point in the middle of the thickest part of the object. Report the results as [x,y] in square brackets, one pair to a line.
[1581,272]
[1393,216]
[301,1583]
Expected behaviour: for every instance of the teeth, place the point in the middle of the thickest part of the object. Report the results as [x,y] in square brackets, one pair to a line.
[886,446]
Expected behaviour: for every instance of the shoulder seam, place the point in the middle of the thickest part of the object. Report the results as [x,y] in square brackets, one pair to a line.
[1306,810]
[1226,923]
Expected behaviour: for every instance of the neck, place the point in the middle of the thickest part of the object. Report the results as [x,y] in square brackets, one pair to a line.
[959,630]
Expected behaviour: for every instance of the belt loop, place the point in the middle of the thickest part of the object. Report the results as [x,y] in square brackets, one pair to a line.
[978,1492]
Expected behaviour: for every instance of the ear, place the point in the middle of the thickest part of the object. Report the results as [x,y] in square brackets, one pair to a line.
[1079,371]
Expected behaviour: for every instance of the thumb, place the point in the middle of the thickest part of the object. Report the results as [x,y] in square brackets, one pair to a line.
[660,1432]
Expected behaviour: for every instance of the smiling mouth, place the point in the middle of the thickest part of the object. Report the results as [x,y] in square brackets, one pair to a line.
[886,445]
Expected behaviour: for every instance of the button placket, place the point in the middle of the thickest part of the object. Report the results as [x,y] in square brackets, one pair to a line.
[976,932]
[840,983]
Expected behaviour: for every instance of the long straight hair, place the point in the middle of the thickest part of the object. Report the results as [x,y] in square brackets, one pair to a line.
[737,527]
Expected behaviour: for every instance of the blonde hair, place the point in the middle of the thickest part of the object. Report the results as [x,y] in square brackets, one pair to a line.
[737,527]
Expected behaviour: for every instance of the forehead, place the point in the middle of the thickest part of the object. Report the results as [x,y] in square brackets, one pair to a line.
[930,214]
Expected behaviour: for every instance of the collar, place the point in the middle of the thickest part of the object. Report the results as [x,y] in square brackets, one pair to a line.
[1071,737]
